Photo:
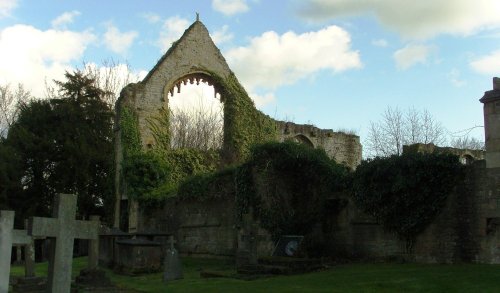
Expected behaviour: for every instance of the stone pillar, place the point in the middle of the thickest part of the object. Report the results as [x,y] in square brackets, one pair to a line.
[94,248]
[133,216]
[29,256]
[491,110]
[6,227]
[19,255]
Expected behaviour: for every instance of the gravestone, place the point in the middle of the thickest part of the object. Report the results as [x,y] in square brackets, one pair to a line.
[172,266]
[247,242]
[63,229]
[288,245]
[8,237]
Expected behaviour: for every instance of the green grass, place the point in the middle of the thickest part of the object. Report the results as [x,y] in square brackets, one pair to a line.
[342,278]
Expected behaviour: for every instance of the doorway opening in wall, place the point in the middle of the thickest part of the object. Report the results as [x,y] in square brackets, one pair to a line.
[196,116]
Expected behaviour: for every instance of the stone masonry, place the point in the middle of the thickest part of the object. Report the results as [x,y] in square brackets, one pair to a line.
[194,58]
[344,148]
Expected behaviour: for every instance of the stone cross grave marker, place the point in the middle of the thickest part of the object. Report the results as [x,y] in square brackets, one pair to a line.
[8,237]
[63,229]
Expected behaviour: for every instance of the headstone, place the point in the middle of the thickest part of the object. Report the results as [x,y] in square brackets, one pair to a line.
[248,241]
[8,237]
[172,265]
[288,245]
[62,229]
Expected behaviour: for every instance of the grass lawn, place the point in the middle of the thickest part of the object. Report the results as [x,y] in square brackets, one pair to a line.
[342,278]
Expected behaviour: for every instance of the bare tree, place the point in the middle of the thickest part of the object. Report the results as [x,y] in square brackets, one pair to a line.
[397,128]
[110,76]
[466,142]
[199,128]
[9,101]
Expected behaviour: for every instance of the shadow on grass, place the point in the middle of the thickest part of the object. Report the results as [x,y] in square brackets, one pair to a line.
[342,278]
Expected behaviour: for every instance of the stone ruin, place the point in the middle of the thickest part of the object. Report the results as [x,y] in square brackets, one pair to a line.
[194,58]
[461,232]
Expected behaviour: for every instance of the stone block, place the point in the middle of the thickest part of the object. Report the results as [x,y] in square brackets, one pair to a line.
[138,256]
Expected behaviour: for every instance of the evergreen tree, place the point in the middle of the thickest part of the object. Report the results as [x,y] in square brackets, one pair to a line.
[64,145]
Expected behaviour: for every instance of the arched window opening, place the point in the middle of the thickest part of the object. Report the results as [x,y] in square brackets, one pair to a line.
[196,115]
[303,140]
[466,159]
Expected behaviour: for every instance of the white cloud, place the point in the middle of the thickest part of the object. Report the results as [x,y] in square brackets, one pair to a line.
[272,60]
[230,7]
[380,43]
[173,28]
[262,100]
[489,64]
[455,78]
[117,41]
[195,98]
[151,17]
[66,18]
[6,7]
[30,56]
[222,36]
[414,19]
[411,55]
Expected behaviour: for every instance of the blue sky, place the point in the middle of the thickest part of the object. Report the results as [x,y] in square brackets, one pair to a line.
[333,63]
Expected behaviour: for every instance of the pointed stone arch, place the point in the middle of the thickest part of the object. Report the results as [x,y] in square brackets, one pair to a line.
[303,139]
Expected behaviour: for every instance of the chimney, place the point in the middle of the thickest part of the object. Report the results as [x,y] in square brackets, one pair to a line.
[491,112]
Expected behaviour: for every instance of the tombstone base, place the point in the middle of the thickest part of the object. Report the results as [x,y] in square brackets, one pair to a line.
[30,285]
[93,278]
[245,257]
[138,256]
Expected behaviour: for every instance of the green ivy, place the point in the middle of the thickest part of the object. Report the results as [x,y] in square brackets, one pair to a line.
[209,186]
[130,137]
[293,183]
[244,125]
[187,162]
[405,193]
[144,172]
[160,129]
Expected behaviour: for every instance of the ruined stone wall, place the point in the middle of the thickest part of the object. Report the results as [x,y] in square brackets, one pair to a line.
[342,147]
[488,200]
[466,156]
[466,230]
[194,54]
[201,228]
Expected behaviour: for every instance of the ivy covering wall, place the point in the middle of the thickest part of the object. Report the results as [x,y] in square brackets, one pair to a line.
[244,125]
[405,193]
[162,168]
